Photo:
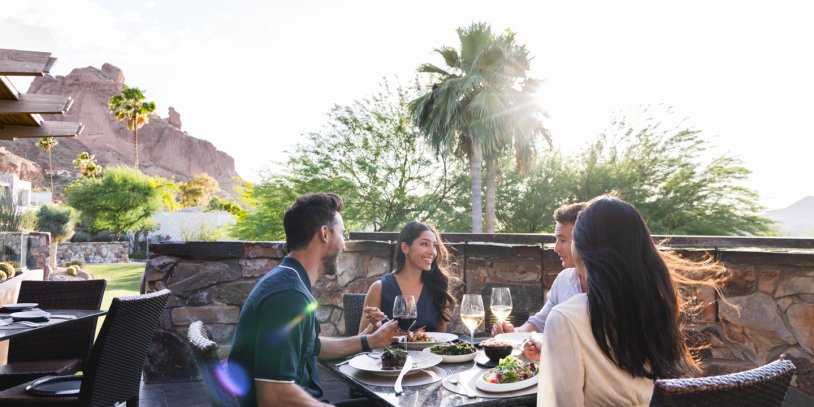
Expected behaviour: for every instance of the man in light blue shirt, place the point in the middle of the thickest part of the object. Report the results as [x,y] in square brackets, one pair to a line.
[567,284]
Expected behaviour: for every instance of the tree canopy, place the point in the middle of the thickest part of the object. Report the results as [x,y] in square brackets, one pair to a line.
[662,170]
[198,189]
[130,108]
[371,155]
[122,200]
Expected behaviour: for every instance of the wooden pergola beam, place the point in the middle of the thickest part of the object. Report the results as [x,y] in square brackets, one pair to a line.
[33,103]
[25,63]
[48,129]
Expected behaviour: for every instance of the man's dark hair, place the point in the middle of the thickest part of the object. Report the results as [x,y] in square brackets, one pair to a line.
[309,213]
[568,213]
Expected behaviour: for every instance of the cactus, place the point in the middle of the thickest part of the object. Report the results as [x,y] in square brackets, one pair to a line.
[7,269]
[72,270]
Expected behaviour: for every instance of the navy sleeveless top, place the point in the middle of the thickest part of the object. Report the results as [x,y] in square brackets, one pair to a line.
[428,313]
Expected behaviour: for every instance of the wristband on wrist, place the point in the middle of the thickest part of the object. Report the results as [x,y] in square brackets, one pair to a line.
[365,345]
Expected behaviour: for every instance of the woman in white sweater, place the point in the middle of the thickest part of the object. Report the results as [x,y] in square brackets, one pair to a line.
[607,346]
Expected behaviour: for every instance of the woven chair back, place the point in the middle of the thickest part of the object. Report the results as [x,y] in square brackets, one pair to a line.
[764,386]
[208,360]
[71,341]
[113,372]
[354,304]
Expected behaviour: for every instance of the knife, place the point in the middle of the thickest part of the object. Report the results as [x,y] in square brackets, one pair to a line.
[408,364]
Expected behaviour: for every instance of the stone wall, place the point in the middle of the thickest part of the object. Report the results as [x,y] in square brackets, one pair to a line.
[93,252]
[769,308]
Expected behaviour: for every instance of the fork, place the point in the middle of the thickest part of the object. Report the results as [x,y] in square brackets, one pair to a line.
[29,323]
[456,381]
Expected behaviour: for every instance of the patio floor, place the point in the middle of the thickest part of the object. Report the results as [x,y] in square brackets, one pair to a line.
[193,394]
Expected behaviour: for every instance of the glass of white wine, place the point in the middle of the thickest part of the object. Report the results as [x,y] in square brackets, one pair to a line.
[501,303]
[472,312]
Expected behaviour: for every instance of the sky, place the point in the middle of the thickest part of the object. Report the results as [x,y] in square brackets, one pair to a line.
[253,76]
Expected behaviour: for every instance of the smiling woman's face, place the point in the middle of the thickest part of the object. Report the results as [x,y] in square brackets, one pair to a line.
[422,252]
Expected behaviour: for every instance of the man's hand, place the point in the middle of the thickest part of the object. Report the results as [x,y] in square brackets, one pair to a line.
[383,336]
[532,347]
[502,327]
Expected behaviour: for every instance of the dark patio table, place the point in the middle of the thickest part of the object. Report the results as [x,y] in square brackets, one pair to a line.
[433,394]
[79,314]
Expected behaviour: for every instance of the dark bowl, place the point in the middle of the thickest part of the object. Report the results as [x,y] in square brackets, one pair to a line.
[495,353]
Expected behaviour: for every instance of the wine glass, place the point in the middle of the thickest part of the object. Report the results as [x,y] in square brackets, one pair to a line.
[405,311]
[501,303]
[472,313]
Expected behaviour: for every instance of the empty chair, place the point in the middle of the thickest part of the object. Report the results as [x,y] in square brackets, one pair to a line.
[62,349]
[207,358]
[764,386]
[354,305]
[113,371]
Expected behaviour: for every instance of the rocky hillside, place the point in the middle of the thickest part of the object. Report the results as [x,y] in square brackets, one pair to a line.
[795,220]
[164,149]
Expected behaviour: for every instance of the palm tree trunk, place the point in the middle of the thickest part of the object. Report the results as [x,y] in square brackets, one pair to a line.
[135,145]
[491,177]
[51,172]
[475,170]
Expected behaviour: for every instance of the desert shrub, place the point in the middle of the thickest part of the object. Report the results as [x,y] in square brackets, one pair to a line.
[75,262]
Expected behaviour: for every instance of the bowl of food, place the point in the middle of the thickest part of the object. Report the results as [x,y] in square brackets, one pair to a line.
[456,352]
[496,349]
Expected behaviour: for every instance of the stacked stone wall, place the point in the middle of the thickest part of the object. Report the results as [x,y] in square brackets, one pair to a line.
[769,307]
[93,252]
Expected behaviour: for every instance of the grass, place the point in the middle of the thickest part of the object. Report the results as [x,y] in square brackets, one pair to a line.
[122,279]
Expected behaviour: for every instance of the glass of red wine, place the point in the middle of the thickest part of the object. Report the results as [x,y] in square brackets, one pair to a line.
[405,311]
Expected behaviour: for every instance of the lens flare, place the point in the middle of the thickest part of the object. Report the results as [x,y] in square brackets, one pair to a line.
[233,378]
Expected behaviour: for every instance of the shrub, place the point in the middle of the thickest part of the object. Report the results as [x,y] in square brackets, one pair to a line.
[7,269]
[72,270]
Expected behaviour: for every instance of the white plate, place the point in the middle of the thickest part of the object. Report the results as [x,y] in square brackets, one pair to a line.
[20,307]
[27,315]
[517,337]
[440,337]
[421,361]
[504,387]
[454,358]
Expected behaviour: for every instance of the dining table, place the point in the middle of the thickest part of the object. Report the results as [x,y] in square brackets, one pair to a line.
[435,393]
[59,317]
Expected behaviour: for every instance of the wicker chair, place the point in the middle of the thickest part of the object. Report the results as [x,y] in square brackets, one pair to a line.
[113,371]
[207,358]
[764,386]
[63,349]
[353,304]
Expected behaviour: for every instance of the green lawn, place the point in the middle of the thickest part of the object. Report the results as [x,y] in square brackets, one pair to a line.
[122,279]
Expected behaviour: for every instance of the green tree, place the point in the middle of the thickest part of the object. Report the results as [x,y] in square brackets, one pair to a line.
[169,192]
[47,143]
[122,200]
[374,158]
[60,222]
[85,163]
[130,108]
[482,107]
[660,169]
[198,189]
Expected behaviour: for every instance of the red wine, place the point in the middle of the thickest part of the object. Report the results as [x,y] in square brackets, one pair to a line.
[405,322]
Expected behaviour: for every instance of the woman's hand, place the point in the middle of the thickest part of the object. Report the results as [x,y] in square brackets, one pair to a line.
[532,347]
[374,317]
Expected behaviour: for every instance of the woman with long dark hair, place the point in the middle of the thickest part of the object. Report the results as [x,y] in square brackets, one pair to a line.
[607,346]
[421,271]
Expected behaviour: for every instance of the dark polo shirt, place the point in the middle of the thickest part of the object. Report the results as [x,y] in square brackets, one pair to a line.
[276,338]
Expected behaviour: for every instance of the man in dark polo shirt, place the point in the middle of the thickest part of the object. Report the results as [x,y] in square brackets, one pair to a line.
[273,361]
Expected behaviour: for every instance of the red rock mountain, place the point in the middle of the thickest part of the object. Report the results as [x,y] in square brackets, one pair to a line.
[164,149]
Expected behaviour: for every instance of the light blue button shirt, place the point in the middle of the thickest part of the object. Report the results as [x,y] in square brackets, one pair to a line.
[565,286]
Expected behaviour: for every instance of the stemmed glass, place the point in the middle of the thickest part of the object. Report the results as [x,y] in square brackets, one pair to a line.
[501,303]
[405,311]
[472,313]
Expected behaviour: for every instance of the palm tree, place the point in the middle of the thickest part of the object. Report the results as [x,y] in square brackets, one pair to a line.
[481,108]
[47,143]
[130,108]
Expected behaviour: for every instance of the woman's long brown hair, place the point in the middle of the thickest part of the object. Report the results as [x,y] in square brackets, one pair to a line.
[634,299]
